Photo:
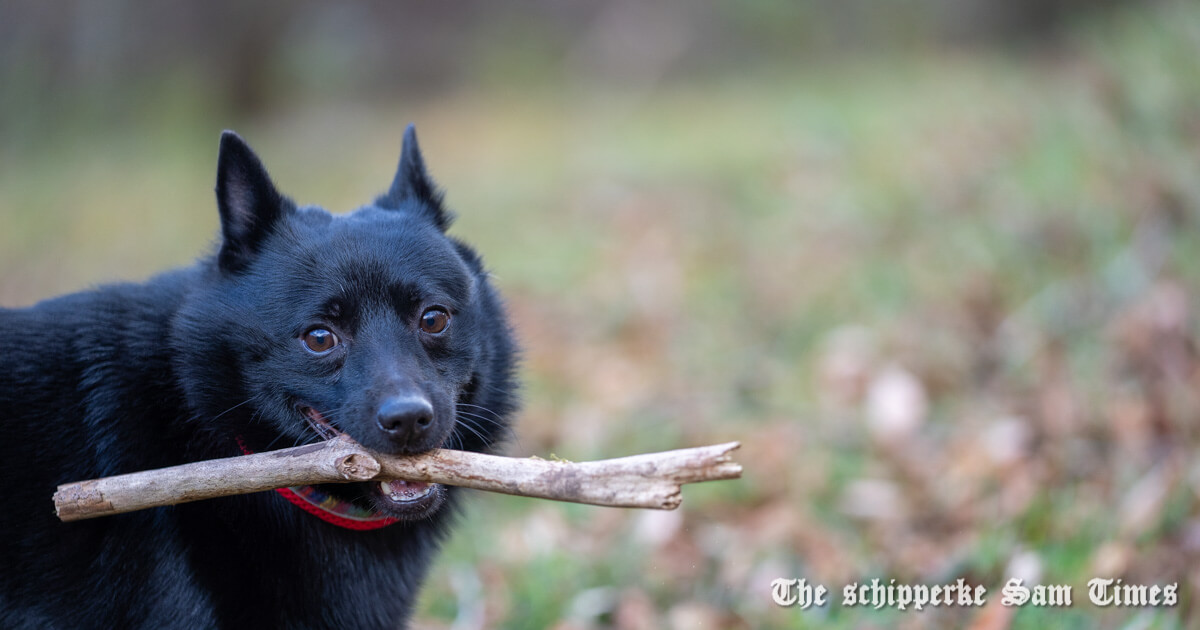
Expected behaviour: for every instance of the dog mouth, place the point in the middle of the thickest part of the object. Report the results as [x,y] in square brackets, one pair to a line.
[396,498]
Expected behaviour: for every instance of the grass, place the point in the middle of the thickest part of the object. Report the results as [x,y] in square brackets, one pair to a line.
[747,259]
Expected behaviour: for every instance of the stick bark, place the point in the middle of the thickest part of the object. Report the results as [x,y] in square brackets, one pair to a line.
[651,480]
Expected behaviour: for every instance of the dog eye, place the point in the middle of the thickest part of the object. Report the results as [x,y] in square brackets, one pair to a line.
[434,321]
[319,340]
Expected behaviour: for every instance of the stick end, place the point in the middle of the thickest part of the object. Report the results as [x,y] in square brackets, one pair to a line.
[729,470]
[75,501]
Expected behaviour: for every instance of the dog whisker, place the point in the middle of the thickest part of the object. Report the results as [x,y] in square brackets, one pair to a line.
[218,416]
[473,430]
[476,419]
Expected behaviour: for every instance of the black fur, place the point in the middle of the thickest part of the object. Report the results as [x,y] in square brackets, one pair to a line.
[133,377]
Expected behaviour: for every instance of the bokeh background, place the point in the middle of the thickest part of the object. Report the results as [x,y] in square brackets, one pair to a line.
[933,262]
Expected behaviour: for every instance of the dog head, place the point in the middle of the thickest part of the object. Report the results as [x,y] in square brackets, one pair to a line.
[375,323]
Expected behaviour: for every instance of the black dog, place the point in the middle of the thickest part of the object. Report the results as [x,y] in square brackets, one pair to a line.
[301,326]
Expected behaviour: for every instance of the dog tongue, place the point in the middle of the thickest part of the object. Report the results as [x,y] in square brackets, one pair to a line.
[402,491]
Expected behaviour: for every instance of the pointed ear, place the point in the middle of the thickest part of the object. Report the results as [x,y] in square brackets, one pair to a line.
[412,185]
[247,200]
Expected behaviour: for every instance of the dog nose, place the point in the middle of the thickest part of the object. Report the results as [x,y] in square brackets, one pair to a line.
[405,418]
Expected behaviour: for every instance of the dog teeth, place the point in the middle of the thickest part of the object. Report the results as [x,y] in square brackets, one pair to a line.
[400,490]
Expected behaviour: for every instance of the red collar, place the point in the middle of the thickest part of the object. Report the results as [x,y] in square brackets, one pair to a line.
[327,507]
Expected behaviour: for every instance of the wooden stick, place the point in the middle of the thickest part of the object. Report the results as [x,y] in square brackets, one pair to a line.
[647,481]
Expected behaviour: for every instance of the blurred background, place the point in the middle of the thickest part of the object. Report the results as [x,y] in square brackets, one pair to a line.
[933,262]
